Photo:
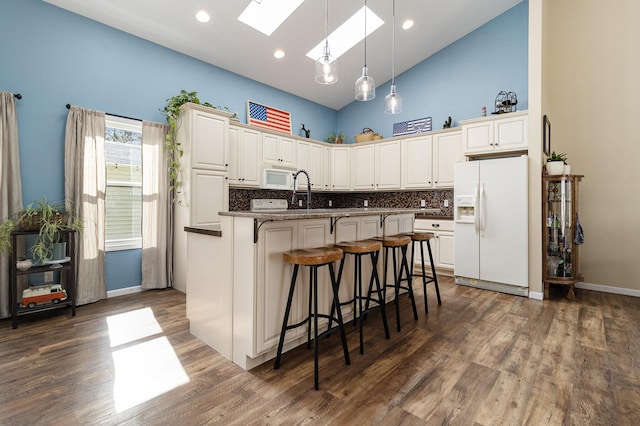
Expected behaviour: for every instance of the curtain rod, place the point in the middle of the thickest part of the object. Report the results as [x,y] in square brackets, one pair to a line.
[17,95]
[115,115]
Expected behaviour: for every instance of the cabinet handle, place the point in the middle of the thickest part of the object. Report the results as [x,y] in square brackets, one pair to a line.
[435,225]
[226,164]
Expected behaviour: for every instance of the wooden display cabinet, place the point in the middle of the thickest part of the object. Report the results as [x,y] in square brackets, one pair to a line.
[560,253]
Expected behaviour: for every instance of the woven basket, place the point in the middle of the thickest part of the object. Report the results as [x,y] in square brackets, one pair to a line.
[34,222]
[366,135]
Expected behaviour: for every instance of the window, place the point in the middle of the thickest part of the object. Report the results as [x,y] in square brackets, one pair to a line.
[123,160]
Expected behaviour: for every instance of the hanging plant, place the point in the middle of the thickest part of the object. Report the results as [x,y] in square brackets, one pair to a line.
[172,113]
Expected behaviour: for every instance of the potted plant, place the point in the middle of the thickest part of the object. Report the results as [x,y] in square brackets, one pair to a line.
[336,137]
[172,113]
[49,219]
[556,163]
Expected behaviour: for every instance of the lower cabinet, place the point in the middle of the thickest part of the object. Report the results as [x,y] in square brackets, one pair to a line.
[442,246]
[274,279]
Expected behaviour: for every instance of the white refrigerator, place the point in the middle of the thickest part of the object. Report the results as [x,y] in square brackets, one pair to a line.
[491,224]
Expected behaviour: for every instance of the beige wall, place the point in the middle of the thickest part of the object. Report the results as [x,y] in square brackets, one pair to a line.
[592,95]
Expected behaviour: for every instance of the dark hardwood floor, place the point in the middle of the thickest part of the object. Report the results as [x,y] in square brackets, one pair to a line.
[482,358]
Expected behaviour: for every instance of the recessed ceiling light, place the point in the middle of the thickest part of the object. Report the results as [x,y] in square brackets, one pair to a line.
[202,16]
[278,54]
[407,24]
[267,15]
[347,35]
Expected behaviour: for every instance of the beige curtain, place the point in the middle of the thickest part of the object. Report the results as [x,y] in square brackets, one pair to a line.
[10,183]
[157,229]
[84,182]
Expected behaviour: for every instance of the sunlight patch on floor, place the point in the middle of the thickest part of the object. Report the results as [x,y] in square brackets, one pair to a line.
[131,326]
[144,371]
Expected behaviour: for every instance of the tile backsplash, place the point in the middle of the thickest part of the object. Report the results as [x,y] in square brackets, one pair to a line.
[240,199]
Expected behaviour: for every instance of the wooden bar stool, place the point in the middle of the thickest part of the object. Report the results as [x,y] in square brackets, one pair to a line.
[393,243]
[314,258]
[359,249]
[420,238]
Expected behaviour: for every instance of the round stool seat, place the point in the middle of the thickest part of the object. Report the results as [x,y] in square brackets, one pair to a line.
[363,246]
[395,240]
[420,236]
[313,256]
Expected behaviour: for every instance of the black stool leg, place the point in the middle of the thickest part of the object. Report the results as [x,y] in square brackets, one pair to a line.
[396,281]
[333,305]
[424,275]
[286,317]
[314,280]
[403,264]
[343,336]
[381,301]
[433,271]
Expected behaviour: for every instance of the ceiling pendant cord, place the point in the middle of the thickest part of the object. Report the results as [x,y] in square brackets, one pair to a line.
[326,66]
[393,101]
[365,86]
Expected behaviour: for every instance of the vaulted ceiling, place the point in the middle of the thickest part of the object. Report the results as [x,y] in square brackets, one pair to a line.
[232,45]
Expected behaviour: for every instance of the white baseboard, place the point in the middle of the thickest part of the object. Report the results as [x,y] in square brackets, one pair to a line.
[536,295]
[123,291]
[609,289]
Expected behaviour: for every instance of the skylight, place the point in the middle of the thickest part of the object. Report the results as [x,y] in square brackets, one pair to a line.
[347,35]
[267,15]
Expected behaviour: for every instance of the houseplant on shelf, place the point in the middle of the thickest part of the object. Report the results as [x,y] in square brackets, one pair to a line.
[336,137]
[556,163]
[49,219]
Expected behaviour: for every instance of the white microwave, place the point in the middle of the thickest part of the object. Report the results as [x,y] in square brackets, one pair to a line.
[277,179]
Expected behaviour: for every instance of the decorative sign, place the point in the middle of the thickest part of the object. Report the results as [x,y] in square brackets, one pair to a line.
[267,117]
[412,126]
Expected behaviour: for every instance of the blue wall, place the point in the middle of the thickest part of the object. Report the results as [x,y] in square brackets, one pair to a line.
[457,81]
[53,57]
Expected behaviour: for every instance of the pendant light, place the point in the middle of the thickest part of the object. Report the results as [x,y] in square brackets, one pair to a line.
[365,86]
[326,66]
[393,101]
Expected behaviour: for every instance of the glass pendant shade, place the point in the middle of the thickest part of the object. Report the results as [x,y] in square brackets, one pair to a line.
[365,87]
[393,102]
[326,68]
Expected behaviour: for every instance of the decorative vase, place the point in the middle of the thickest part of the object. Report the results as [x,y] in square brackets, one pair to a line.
[555,167]
[24,265]
[59,251]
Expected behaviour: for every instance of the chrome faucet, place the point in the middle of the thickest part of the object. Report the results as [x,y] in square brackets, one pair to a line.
[293,196]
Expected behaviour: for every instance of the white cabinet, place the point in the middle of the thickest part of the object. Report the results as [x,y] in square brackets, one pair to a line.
[509,132]
[244,156]
[278,150]
[442,246]
[203,136]
[204,140]
[427,161]
[446,151]
[376,166]
[311,157]
[340,168]
[209,195]
[417,169]
[274,279]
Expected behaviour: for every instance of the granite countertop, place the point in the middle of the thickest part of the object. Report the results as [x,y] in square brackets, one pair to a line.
[296,214]
[433,216]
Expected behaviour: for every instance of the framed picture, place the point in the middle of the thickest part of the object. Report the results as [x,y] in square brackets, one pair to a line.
[546,135]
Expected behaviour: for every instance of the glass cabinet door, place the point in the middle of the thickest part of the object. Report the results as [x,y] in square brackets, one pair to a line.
[559,228]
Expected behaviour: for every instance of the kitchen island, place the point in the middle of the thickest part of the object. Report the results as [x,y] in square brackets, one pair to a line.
[237,281]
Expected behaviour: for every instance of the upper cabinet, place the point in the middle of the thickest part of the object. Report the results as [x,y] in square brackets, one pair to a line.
[427,161]
[447,150]
[278,150]
[376,166]
[244,156]
[498,134]
[207,145]
[340,165]
[312,158]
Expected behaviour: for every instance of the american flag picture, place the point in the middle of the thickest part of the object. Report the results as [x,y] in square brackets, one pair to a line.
[412,126]
[268,117]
